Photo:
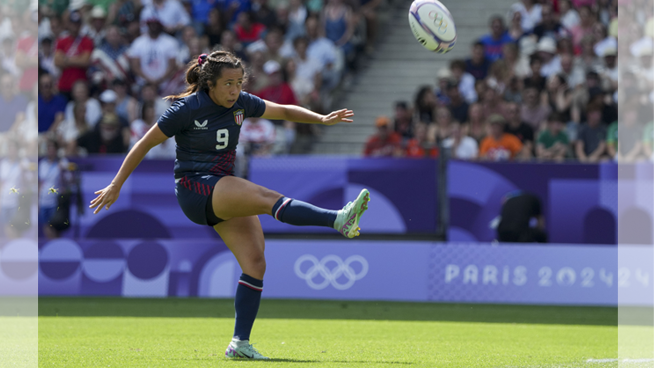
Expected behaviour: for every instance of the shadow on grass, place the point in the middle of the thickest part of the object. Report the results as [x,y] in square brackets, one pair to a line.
[329,309]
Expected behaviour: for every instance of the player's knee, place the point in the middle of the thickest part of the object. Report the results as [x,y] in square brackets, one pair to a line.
[268,197]
[257,265]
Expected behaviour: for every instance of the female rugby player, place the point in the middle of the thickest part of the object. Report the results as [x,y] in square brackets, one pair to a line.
[206,121]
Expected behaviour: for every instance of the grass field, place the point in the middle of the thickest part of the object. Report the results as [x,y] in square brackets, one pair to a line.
[111,332]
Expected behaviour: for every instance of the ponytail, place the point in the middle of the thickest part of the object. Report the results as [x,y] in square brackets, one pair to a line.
[207,68]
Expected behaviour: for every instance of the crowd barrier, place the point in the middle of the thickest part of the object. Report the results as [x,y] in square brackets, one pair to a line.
[580,201]
[331,269]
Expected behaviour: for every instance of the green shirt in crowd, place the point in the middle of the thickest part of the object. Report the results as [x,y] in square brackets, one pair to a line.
[548,140]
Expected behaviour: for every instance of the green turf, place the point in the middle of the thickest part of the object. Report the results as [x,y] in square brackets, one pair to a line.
[194,333]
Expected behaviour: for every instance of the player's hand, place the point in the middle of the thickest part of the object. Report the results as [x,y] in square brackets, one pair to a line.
[106,197]
[340,116]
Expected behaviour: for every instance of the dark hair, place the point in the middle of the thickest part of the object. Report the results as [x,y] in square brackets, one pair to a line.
[402,104]
[458,63]
[533,58]
[494,18]
[299,39]
[555,116]
[206,69]
[478,43]
[145,106]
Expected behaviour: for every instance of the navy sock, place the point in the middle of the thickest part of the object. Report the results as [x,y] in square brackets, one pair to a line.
[294,212]
[246,303]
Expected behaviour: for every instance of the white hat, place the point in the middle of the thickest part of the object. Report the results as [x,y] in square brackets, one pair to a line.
[271,66]
[108,96]
[527,45]
[547,44]
[98,12]
[445,73]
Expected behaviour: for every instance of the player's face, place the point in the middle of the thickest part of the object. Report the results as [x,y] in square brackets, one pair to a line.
[227,88]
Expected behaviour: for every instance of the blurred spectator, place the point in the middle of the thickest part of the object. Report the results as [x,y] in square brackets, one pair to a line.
[270,45]
[549,26]
[464,79]
[495,40]
[518,211]
[648,141]
[513,91]
[553,142]
[574,74]
[170,13]
[81,96]
[51,106]
[420,146]
[279,91]
[517,64]
[551,63]
[105,138]
[305,88]
[70,130]
[11,103]
[153,55]
[201,10]
[149,94]
[110,58]
[96,29]
[534,110]
[425,104]
[626,145]
[457,106]
[51,170]
[139,127]
[213,30]
[126,105]
[324,50]
[247,30]
[536,79]
[257,137]
[124,12]
[46,58]
[263,13]
[297,15]
[108,99]
[385,143]
[591,139]
[559,96]
[610,72]
[442,127]
[523,131]
[492,102]
[515,30]
[498,76]
[530,11]
[478,64]
[460,145]
[585,26]
[568,15]
[257,77]
[403,123]
[338,23]
[27,58]
[8,56]
[228,42]
[73,55]
[476,125]
[499,146]
[369,11]
[14,182]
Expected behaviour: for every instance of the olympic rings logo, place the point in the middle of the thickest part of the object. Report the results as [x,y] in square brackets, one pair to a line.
[439,21]
[330,275]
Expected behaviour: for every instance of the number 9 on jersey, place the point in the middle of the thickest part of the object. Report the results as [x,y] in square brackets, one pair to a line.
[222,137]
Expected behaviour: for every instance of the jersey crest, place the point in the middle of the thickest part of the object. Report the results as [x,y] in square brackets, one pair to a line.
[238,116]
[202,126]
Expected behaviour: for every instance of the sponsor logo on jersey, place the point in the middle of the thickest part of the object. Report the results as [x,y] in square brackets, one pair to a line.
[202,126]
[239,115]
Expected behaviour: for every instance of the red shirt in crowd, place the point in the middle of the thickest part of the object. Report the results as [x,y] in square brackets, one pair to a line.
[281,94]
[73,47]
[29,46]
[415,150]
[251,35]
[383,147]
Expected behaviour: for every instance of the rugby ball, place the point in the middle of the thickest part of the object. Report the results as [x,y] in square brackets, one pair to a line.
[432,25]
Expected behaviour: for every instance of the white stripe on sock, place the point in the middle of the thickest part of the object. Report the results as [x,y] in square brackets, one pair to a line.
[250,285]
[280,207]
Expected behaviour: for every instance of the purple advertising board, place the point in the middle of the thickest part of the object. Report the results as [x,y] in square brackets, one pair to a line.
[349,270]
[580,201]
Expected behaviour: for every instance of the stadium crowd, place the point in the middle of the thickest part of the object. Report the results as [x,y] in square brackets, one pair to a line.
[104,65]
[540,85]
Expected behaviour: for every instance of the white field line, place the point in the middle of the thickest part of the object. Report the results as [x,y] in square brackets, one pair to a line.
[619,360]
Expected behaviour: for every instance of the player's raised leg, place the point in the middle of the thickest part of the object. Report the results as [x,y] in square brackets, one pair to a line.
[244,237]
[236,197]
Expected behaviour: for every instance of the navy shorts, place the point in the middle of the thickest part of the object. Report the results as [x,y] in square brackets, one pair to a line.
[194,196]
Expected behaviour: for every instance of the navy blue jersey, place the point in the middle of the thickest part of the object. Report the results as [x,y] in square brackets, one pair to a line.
[207,134]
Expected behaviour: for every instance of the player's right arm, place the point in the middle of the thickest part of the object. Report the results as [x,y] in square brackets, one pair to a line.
[107,196]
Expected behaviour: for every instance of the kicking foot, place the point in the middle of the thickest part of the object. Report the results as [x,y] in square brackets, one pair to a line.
[347,220]
[243,349]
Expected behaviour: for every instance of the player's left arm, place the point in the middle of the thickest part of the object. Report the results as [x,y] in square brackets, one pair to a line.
[301,115]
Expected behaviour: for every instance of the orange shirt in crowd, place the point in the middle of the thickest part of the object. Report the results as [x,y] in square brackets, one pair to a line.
[415,150]
[507,147]
[386,147]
